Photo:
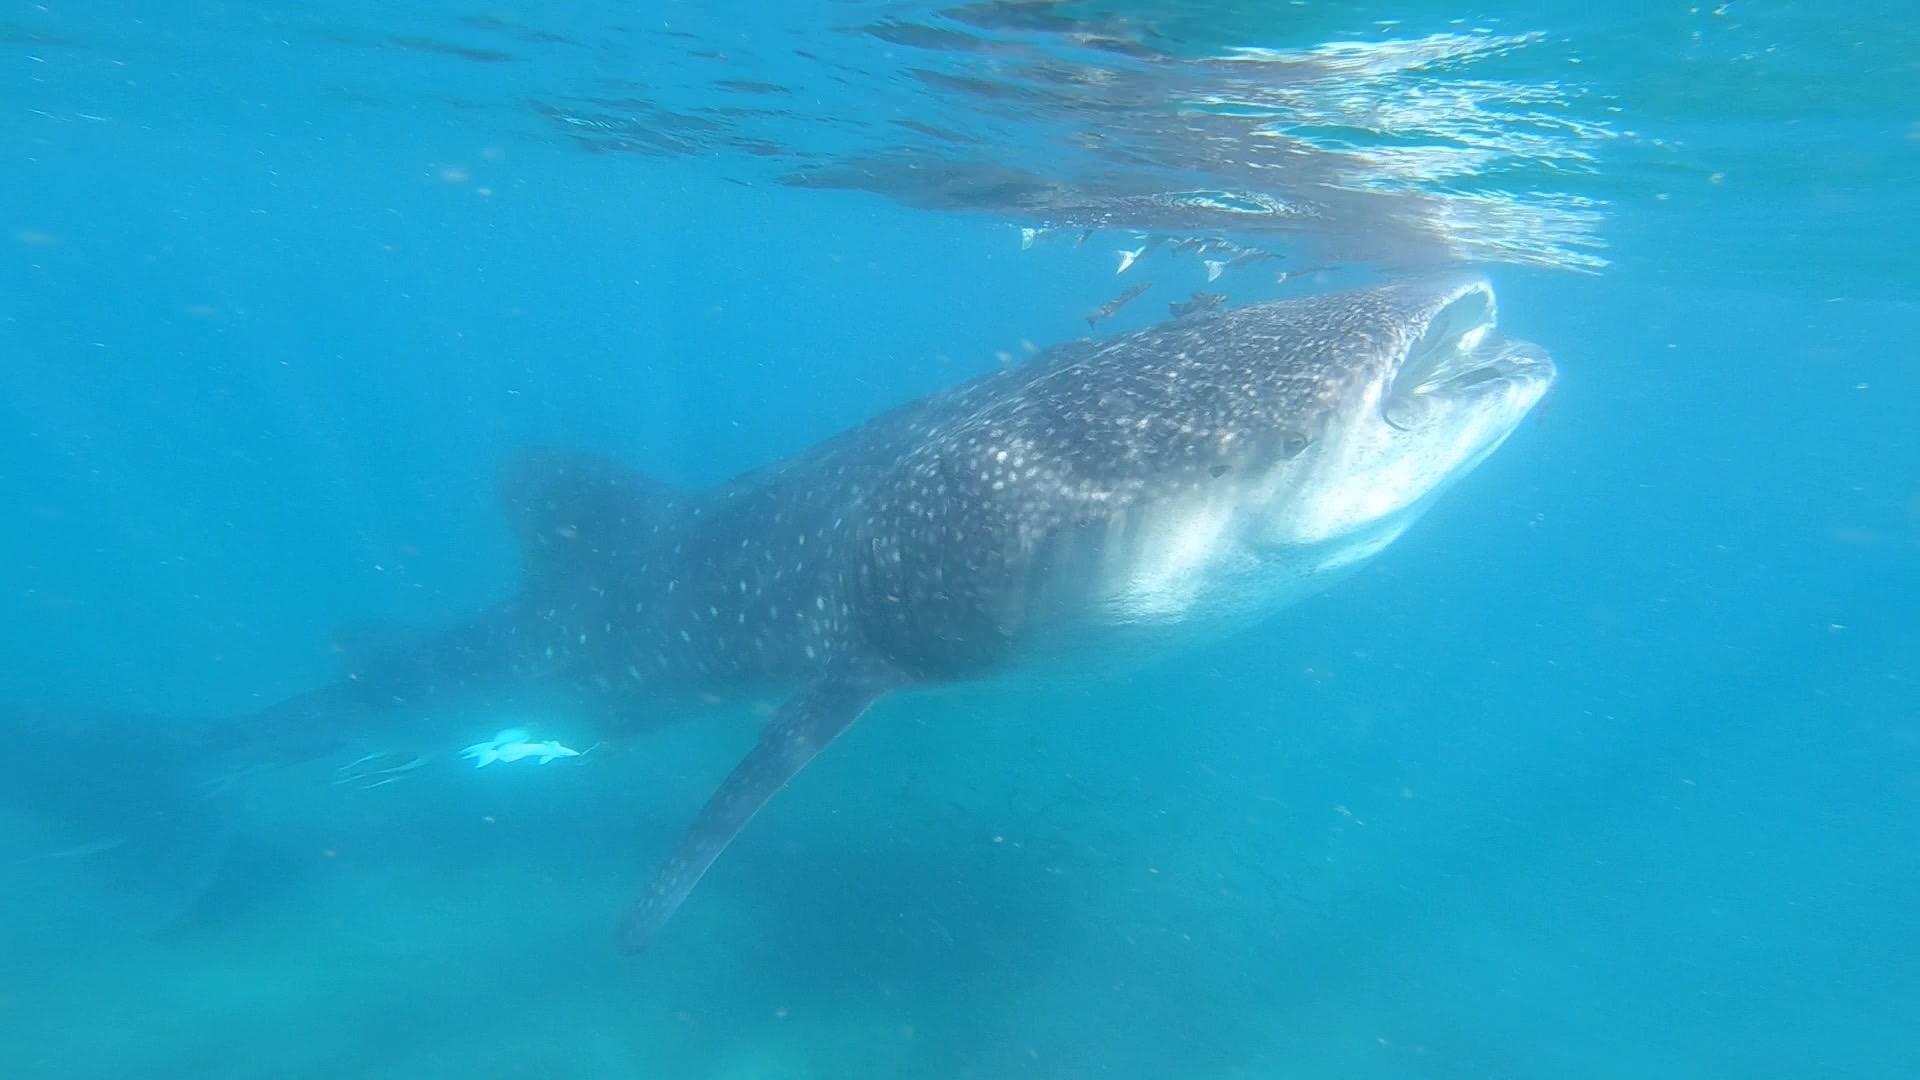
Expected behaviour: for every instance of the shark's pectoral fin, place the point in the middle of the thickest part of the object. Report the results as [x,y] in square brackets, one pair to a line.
[798,730]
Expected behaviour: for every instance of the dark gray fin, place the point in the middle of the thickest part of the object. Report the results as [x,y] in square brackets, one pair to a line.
[576,513]
[802,727]
[135,805]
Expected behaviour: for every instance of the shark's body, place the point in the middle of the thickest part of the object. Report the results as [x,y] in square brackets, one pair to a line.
[1108,498]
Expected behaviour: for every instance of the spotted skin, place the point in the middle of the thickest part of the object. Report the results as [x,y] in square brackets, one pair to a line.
[941,541]
[935,537]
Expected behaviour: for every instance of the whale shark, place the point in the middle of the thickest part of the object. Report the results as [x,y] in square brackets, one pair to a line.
[1106,502]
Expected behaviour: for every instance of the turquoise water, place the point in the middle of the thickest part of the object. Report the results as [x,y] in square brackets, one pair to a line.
[1609,768]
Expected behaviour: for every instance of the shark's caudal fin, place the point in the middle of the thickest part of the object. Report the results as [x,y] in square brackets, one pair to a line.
[135,805]
[144,804]
[793,736]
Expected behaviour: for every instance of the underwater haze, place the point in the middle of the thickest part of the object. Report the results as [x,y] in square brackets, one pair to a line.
[1609,767]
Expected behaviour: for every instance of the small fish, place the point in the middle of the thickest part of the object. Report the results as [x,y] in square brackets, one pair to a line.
[1117,303]
[1201,302]
[1081,241]
[1249,255]
[1128,258]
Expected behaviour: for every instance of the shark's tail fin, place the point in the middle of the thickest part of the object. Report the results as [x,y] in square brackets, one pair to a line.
[131,811]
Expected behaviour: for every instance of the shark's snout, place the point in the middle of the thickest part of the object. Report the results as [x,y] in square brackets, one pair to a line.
[1456,359]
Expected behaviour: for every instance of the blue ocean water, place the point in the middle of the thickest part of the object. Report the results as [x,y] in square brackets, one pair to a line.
[1608,768]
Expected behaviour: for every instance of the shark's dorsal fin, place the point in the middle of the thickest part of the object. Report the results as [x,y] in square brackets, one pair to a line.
[573,511]
[797,731]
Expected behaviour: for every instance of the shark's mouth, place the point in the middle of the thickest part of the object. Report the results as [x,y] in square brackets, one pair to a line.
[1456,355]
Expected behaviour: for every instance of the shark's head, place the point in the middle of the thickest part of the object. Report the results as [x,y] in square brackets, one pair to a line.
[1334,421]
[1398,391]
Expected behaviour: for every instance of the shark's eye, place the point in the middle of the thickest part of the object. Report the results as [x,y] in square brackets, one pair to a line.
[1292,445]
